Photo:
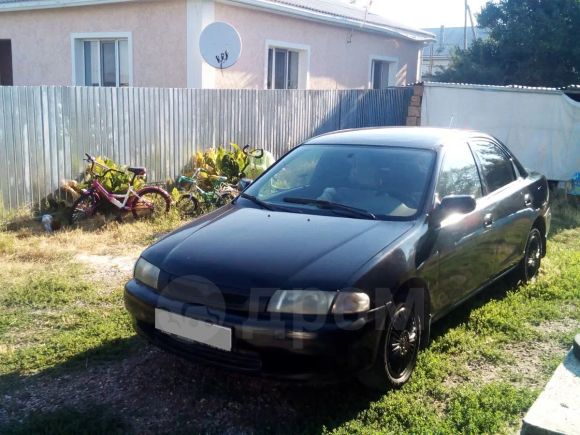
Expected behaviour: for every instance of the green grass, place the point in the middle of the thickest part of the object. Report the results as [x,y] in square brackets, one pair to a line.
[53,318]
[469,380]
[471,410]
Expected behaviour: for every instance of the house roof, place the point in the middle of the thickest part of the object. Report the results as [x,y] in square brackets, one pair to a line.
[328,11]
[17,5]
[341,13]
[450,38]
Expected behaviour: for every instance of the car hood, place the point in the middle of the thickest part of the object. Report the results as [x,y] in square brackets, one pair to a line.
[247,247]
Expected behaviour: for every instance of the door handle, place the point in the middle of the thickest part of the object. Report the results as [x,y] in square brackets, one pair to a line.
[527,199]
[487,220]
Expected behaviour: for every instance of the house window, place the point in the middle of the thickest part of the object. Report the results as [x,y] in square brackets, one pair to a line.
[5,62]
[102,60]
[283,68]
[380,74]
[106,62]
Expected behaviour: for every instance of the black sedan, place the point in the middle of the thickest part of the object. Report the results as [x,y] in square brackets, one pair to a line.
[340,257]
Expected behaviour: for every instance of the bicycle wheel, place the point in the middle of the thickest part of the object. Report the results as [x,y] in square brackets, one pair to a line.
[225,198]
[187,205]
[83,208]
[151,204]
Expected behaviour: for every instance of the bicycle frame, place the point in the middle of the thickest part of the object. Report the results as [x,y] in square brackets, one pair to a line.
[114,198]
[121,201]
[220,187]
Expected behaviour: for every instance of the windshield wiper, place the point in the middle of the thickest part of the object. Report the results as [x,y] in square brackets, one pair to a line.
[257,201]
[329,205]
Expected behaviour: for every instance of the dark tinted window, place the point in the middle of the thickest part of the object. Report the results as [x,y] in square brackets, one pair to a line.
[497,169]
[458,175]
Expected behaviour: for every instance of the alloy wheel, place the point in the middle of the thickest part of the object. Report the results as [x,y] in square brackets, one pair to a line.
[402,343]
[533,255]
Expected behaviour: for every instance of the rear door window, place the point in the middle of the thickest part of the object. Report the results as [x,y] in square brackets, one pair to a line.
[497,169]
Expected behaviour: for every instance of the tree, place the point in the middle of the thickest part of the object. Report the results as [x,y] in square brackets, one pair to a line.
[531,42]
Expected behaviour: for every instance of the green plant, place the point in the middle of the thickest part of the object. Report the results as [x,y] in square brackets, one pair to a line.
[116,181]
[223,162]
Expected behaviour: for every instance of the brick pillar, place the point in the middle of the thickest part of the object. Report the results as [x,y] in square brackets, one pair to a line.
[414,113]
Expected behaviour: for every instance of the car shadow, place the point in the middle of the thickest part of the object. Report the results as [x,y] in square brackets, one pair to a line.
[153,391]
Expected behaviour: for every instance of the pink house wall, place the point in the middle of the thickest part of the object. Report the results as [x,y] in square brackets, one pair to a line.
[42,54]
[41,40]
[334,63]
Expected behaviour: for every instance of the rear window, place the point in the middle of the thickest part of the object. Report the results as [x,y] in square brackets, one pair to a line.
[496,167]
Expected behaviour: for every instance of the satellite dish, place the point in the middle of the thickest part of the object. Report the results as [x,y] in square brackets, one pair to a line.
[220,45]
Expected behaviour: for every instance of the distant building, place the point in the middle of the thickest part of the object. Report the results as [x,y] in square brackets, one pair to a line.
[437,55]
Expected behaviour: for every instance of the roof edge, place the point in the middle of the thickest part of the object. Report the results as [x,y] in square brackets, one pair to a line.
[52,4]
[295,11]
[503,88]
[280,8]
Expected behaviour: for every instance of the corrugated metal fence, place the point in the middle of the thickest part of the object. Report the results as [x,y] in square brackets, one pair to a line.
[45,131]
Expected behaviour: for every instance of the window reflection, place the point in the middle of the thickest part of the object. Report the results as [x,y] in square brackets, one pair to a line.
[497,169]
[459,174]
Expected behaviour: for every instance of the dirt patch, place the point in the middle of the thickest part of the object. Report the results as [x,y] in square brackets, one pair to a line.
[112,269]
[556,328]
[526,361]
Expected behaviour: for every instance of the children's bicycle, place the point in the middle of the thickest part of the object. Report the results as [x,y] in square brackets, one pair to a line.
[148,202]
[196,200]
[251,155]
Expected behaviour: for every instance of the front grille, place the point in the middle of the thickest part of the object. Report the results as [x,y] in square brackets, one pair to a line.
[246,361]
[201,292]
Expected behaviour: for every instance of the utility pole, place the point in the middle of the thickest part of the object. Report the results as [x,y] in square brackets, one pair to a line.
[465,26]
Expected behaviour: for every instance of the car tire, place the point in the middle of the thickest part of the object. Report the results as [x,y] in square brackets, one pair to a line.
[398,349]
[530,264]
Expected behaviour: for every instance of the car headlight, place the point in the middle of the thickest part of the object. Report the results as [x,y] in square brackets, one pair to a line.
[351,303]
[147,273]
[301,301]
[318,302]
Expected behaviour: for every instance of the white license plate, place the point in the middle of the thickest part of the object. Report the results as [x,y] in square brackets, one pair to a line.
[194,330]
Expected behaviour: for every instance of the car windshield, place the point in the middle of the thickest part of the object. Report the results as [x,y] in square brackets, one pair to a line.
[349,180]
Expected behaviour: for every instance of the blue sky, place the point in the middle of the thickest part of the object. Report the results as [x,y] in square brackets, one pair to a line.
[424,13]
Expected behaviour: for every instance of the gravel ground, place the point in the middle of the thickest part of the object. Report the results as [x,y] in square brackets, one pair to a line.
[156,392]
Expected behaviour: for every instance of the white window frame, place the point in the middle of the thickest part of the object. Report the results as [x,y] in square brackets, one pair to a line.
[78,53]
[303,61]
[393,68]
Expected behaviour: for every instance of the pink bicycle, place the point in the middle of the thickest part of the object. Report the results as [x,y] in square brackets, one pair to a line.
[150,201]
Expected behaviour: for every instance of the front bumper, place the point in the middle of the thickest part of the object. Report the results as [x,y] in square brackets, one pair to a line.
[280,348]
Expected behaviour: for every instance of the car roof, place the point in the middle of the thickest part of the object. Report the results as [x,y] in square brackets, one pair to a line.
[412,137]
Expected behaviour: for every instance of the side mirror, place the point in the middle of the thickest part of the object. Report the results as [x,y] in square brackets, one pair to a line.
[458,204]
[243,183]
[453,204]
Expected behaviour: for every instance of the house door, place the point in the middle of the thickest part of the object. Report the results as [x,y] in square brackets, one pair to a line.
[5,62]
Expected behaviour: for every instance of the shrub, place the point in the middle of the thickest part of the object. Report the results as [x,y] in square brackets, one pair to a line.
[228,163]
[116,181]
